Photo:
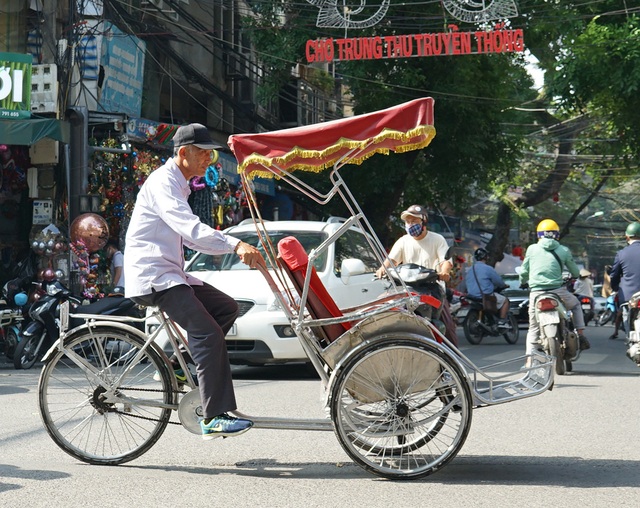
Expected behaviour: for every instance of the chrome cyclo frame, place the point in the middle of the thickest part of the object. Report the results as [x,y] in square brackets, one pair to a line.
[393,382]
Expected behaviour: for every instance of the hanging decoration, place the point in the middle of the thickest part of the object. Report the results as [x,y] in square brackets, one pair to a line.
[49,243]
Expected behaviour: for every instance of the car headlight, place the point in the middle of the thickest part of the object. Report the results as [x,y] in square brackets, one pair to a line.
[284,331]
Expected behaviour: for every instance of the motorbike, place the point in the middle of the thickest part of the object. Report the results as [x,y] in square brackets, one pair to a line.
[587,308]
[609,312]
[12,315]
[478,323]
[557,332]
[632,326]
[423,281]
[42,331]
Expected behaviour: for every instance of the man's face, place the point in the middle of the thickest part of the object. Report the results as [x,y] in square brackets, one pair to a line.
[198,159]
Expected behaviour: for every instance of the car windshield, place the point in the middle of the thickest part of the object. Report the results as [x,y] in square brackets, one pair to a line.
[308,239]
[513,283]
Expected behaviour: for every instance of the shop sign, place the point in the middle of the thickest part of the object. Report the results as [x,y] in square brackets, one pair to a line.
[15,85]
[123,62]
[42,211]
[141,129]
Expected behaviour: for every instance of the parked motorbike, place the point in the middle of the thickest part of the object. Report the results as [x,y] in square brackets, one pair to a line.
[609,312]
[632,325]
[557,333]
[478,323]
[42,331]
[12,315]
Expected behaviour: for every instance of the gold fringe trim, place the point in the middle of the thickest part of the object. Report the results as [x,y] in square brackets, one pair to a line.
[296,152]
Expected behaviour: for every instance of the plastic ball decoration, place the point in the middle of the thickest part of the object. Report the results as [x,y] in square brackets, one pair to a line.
[59,274]
[47,243]
[92,230]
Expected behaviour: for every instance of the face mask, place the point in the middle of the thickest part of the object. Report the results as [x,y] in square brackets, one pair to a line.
[413,229]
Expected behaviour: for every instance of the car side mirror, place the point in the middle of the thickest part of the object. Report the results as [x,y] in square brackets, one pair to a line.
[350,267]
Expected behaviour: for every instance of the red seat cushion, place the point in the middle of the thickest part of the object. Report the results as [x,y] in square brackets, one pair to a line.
[319,301]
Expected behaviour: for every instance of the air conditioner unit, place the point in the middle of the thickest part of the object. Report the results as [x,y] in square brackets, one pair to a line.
[44,151]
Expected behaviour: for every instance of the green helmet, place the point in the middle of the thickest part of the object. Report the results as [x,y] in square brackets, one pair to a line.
[633,230]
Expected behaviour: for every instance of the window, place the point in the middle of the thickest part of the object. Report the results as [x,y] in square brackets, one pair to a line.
[308,239]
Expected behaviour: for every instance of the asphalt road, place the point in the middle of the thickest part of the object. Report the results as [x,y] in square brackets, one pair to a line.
[574,446]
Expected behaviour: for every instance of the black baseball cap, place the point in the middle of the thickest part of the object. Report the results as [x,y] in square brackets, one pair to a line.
[194,134]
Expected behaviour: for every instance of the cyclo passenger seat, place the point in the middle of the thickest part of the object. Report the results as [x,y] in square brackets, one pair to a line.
[294,260]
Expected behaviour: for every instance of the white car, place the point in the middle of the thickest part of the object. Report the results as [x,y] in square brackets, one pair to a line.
[262,334]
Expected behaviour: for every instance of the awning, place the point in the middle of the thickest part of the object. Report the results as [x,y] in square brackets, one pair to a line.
[401,128]
[29,131]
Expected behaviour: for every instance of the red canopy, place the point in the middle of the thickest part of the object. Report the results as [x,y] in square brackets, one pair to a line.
[401,128]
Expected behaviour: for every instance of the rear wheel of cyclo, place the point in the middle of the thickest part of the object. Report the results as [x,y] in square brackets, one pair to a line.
[74,400]
[401,408]
[511,336]
[473,332]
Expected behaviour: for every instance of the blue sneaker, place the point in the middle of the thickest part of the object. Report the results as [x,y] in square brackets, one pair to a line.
[223,426]
[182,377]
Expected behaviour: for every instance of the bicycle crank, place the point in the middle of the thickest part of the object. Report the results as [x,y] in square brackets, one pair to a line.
[190,412]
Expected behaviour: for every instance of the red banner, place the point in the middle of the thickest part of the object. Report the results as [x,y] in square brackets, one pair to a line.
[498,40]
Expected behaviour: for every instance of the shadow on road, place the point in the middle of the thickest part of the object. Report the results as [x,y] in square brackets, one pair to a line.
[463,470]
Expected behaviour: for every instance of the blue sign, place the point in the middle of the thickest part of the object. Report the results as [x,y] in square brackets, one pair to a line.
[230,173]
[123,62]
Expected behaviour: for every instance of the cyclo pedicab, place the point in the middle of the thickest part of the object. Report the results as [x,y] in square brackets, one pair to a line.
[399,394]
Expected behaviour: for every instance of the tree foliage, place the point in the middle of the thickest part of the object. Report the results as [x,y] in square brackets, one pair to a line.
[493,134]
[474,95]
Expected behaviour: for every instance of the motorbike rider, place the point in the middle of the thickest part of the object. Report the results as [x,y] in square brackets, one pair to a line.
[542,272]
[482,279]
[583,286]
[424,248]
[625,273]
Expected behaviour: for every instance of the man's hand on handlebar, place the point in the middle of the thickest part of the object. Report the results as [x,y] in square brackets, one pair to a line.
[444,276]
[524,285]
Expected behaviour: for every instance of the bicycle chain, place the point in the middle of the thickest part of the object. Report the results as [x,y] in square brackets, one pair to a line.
[145,417]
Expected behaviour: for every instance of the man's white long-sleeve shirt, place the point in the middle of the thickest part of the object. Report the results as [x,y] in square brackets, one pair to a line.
[161,223]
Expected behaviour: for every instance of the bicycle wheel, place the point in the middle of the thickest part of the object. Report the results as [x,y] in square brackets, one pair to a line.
[401,408]
[512,334]
[473,332]
[98,397]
